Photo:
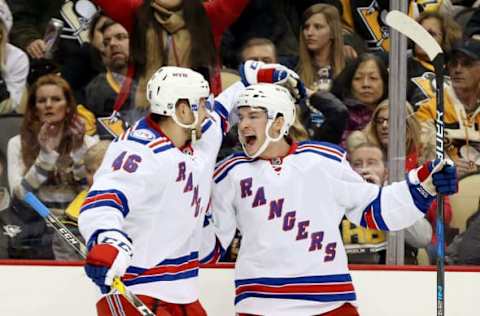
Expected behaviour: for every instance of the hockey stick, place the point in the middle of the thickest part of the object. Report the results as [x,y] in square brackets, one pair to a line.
[76,244]
[414,31]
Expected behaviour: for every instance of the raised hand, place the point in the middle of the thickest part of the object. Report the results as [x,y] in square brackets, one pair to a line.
[77,130]
[50,136]
[253,72]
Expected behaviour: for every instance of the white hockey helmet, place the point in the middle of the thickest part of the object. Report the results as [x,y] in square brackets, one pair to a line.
[170,84]
[275,100]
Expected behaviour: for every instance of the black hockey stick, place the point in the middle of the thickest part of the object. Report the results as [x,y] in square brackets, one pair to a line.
[414,31]
[78,245]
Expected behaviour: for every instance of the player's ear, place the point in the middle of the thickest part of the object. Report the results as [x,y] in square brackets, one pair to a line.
[182,108]
[277,126]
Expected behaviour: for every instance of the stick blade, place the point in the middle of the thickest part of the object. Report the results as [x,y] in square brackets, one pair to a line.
[410,28]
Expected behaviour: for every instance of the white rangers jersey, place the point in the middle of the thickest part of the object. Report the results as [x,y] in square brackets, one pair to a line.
[157,195]
[292,260]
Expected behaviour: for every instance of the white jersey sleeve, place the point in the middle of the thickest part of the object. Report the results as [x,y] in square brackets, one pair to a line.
[223,209]
[390,207]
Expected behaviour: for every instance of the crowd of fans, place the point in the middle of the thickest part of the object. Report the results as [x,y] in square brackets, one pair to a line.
[77,71]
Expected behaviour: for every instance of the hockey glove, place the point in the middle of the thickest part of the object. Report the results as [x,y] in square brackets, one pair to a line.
[108,259]
[437,176]
[253,72]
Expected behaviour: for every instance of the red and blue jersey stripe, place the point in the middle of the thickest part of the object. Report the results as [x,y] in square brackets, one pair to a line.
[323,288]
[168,270]
[372,215]
[223,167]
[106,198]
[160,145]
[223,113]
[324,149]
[215,255]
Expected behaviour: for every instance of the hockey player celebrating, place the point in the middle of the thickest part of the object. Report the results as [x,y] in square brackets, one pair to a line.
[144,214]
[288,199]
[144,211]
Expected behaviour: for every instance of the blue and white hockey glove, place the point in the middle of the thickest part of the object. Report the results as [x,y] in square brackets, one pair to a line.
[253,72]
[436,176]
[108,259]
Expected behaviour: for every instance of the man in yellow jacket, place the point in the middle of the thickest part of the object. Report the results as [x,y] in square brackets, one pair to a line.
[462,111]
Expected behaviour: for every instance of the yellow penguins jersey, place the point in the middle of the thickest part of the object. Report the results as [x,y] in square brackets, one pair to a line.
[292,260]
[461,128]
[366,17]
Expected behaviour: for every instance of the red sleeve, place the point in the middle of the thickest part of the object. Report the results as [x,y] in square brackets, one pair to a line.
[122,11]
[222,14]
[447,210]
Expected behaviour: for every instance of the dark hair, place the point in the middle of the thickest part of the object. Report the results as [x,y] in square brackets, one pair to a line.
[108,23]
[342,86]
[93,23]
[203,51]
[198,24]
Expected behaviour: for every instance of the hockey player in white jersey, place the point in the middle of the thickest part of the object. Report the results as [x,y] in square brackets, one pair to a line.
[288,199]
[144,213]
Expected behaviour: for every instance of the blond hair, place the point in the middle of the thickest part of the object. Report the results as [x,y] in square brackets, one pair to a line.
[412,133]
[297,131]
[94,155]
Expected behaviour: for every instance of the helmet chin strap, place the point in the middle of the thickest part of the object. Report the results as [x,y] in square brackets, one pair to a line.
[192,126]
[265,144]
[194,135]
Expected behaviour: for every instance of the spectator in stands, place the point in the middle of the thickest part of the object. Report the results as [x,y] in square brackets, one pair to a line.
[184,33]
[95,35]
[420,70]
[419,147]
[13,65]
[31,19]
[47,157]
[368,160]
[462,119]
[259,49]
[361,86]
[321,47]
[104,95]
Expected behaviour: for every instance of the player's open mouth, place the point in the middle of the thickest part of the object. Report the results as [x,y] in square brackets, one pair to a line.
[250,140]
